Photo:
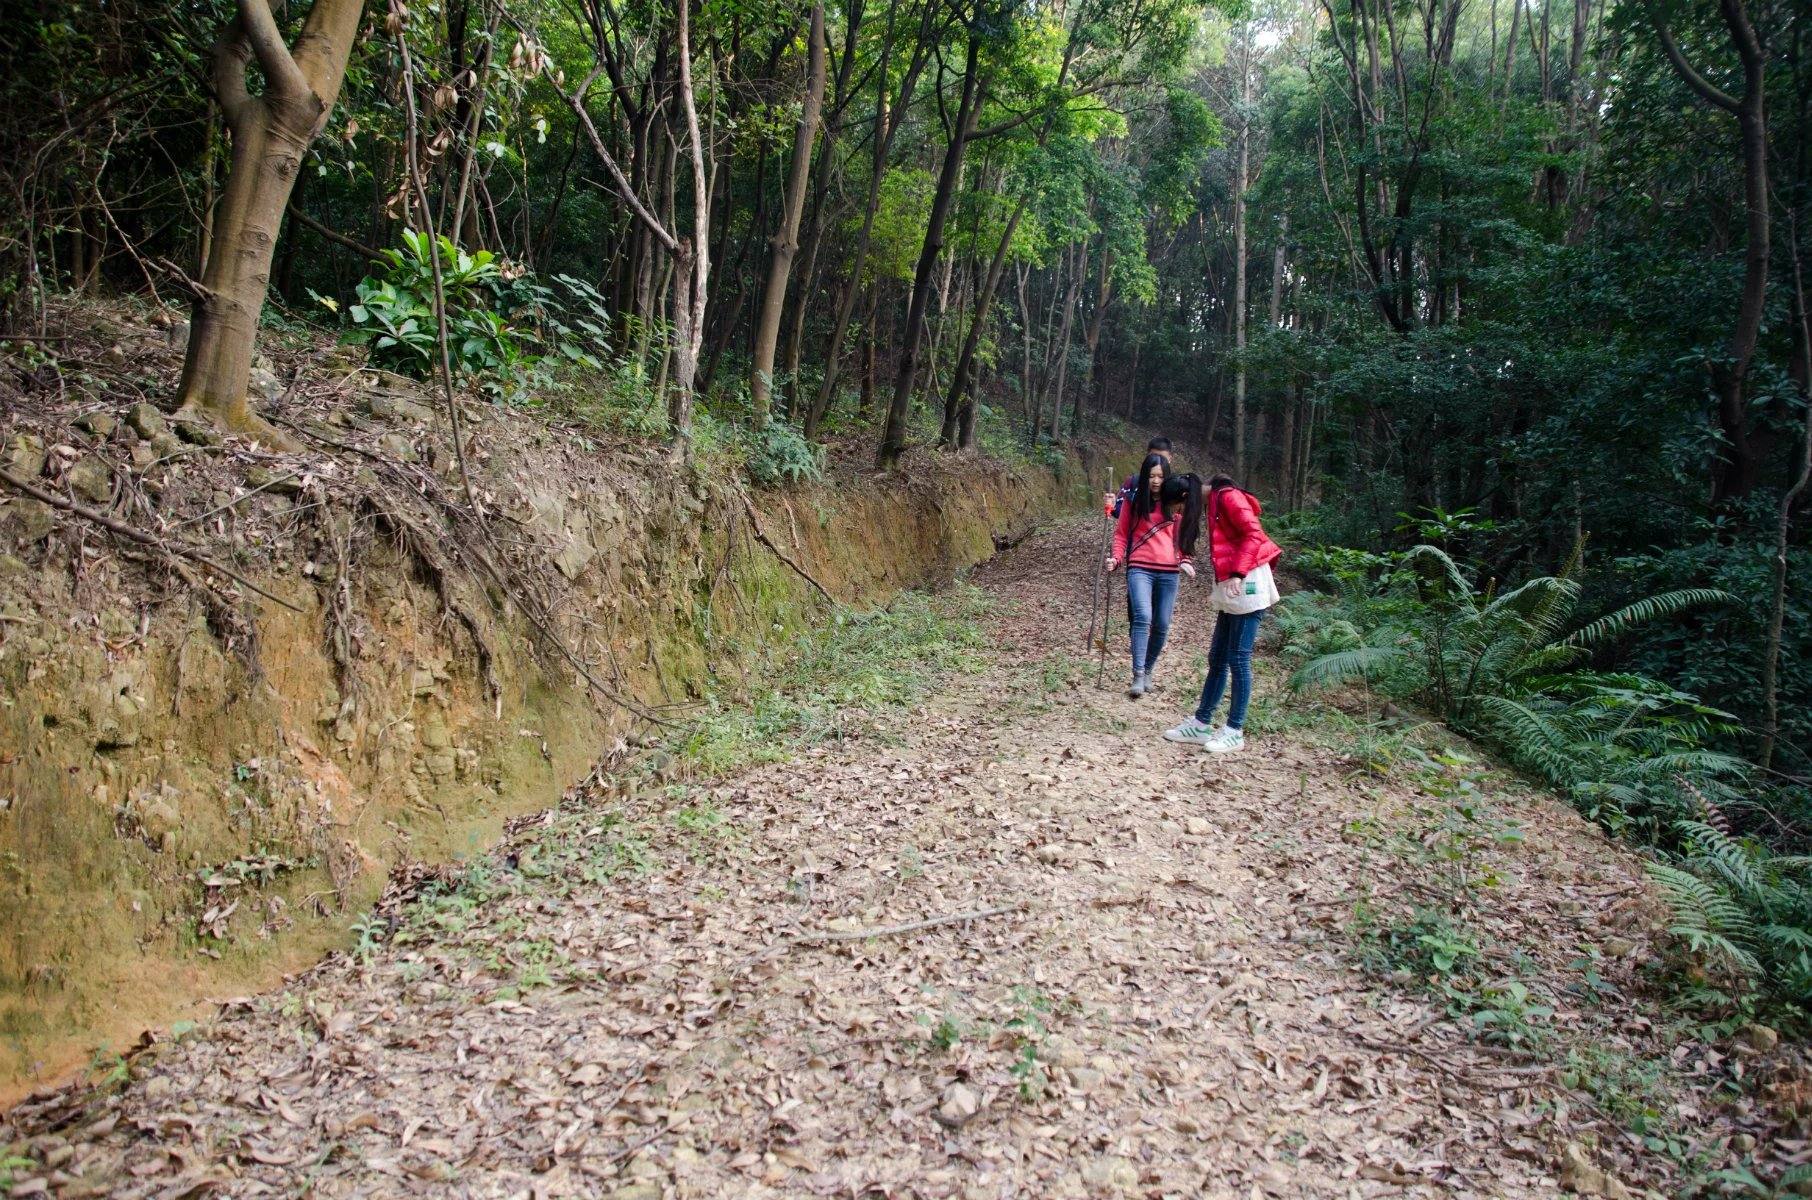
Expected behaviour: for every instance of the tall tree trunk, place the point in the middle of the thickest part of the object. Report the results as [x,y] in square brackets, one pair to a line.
[1239,257]
[1091,336]
[1738,468]
[786,241]
[888,119]
[962,386]
[692,256]
[865,402]
[1070,300]
[271,132]
[893,435]
[1031,407]
[1777,609]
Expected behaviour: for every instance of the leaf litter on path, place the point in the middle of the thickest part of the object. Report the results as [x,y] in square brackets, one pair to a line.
[1017,946]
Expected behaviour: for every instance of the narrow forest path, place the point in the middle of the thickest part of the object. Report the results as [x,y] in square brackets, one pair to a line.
[661,995]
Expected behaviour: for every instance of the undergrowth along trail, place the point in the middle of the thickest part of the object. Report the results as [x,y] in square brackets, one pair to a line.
[927,914]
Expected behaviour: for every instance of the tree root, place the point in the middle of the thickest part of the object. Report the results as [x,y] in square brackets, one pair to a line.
[134,534]
[782,555]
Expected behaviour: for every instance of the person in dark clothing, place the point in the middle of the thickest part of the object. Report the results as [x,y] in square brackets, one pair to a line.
[1111,501]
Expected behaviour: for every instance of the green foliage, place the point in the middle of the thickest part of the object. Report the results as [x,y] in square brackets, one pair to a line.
[12,1166]
[1631,752]
[1426,944]
[1742,907]
[1505,667]
[861,662]
[368,935]
[395,313]
[779,454]
[506,331]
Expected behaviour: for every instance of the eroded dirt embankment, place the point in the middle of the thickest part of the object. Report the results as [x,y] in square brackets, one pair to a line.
[200,786]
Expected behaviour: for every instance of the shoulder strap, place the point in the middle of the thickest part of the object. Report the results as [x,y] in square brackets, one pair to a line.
[1149,534]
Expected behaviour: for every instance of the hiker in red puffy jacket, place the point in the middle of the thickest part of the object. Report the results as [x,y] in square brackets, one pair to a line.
[1111,501]
[1243,589]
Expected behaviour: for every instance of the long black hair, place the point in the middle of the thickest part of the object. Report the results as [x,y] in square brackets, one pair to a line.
[1146,497]
[1185,489]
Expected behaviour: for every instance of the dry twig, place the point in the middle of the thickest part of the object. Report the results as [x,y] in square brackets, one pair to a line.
[859,935]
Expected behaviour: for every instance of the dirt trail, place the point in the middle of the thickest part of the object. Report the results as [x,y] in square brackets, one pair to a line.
[1171,1008]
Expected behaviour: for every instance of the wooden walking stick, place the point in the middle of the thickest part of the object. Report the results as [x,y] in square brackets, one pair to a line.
[1107,599]
[1094,602]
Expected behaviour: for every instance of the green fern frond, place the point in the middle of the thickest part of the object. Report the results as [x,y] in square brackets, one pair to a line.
[1777,936]
[1438,566]
[1733,860]
[1341,666]
[1649,608]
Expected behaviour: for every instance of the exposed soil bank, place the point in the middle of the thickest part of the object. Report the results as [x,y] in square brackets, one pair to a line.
[201,788]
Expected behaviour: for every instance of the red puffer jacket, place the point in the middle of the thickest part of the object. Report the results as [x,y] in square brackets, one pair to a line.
[1238,541]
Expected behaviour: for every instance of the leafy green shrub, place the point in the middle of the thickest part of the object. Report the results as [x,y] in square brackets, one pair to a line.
[1633,753]
[505,329]
[1738,903]
[1501,666]
[778,453]
[395,312]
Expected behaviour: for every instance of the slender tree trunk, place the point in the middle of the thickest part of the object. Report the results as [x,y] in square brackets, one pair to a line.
[893,436]
[887,125]
[1029,408]
[1091,337]
[271,132]
[692,257]
[1777,610]
[1070,300]
[1738,468]
[865,402]
[786,241]
[962,384]
[1239,258]
[1132,379]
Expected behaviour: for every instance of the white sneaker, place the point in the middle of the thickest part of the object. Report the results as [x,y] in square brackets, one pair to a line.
[1225,741]
[1192,732]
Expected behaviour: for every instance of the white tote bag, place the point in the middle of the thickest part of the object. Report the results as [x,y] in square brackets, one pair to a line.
[1259,592]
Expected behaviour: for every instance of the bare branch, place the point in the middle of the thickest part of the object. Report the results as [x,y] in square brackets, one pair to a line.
[625,191]
[1697,82]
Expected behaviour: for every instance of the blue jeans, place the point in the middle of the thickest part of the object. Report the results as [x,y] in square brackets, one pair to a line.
[1151,596]
[1230,654]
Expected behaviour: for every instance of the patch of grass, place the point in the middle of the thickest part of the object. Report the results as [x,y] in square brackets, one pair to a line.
[1427,945]
[11,1167]
[1632,1091]
[947,1034]
[1061,669]
[860,663]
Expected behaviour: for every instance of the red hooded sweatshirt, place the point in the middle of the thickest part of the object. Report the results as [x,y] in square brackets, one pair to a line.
[1149,541]
[1238,541]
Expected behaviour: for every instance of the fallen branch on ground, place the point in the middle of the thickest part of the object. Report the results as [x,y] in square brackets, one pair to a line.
[777,551]
[858,935]
[134,534]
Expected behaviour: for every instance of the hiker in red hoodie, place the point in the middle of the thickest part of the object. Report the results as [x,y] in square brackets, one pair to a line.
[1155,537]
[1243,590]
